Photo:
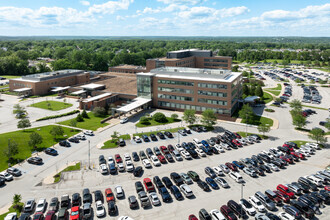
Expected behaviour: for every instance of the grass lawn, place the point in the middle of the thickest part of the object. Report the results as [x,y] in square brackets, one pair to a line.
[278,87]
[267,97]
[11,209]
[274,92]
[22,137]
[309,106]
[243,134]
[153,123]
[10,76]
[299,142]
[91,123]
[113,142]
[4,86]
[57,177]
[323,69]
[260,120]
[54,105]
[172,130]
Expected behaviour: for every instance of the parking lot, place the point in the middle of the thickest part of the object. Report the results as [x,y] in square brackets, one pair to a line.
[92,179]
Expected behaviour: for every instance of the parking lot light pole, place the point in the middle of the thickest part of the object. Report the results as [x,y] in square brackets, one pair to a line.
[89,154]
[242,187]
[246,125]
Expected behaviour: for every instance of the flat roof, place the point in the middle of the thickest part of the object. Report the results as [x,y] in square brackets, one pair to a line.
[78,92]
[126,66]
[96,97]
[60,89]
[92,86]
[22,89]
[136,103]
[49,75]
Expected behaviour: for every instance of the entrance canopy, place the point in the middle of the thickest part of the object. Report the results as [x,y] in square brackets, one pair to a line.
[93,86]
[22,90]
[79,92]
[136,103]
[95,98]
[60,89]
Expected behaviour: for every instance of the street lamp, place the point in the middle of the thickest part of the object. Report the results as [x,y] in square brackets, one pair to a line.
[89,154]
[246,124]
[242,187]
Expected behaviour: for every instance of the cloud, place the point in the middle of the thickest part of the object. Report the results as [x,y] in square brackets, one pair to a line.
[85,3]
[110,7]
[182,2]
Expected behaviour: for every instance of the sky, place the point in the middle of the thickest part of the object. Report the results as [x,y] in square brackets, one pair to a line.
[165,18]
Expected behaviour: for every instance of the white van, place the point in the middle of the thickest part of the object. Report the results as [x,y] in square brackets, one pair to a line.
[314,180]
[236,176]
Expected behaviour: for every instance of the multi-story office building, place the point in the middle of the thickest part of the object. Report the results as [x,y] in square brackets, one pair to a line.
[42,83]
[192,58]
[127,69]
[180,88]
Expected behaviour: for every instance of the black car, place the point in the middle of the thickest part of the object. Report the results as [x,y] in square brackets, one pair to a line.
[170,148]
[236,208]
[169,158]
[133,203]
[51,151]
[153,137]
[193,153]
[310,204]
[209,171]
[158,183]
[168,183]
[135,156]
[64,143]
[74,140]
[98,196]
[204,215]
[2,181]
[35,160]
[168,134]
[197,129]
[24,216]
[187,131]
[161,135]
[138,186]
[176,192]
[303,208]
[112,208]
[87,196]
[102,160]
[203,185]
[166,197]
[54,204]
[145,138]
[137,171]
[149,152]
[292,211]
[271,216]
[176,178]
[76,199]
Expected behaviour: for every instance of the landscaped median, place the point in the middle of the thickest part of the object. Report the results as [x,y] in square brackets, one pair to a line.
[75,167]
[172,130]
[113,143]
[51,105]
[22,137]
[90,123]
[300,143]
[257,120]
[157,119]
[275,91]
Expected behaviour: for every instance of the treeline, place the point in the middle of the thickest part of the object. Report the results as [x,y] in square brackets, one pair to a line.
[99,54]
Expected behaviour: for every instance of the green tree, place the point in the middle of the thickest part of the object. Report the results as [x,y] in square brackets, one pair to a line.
[327,124]
[235,68]
[84,114]
[298,120]
[144,120]
[159,117]
[318,135]
[11,150]
[208,118]
[115,135]
[56,131]
[17,199]
[24,123]
[246,90]
[35,139]
[189,116]
[174,116]
[296,105]
[49,106]
[259,92]
[247,114]
[19,111]
[99,112]
[253,89]
[263,128]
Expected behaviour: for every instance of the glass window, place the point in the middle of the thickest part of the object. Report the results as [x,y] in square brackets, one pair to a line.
[174,82]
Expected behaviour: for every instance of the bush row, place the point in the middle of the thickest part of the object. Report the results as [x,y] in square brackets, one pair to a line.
[58,116]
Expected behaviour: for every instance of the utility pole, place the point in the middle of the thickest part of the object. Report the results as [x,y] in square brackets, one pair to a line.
[246,124]
[89,154]
[242,186]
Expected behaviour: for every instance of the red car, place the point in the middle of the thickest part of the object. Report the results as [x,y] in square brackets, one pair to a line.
[148,185]
[299,155]
[164,149]
[237,135]
[50,215]
[75,211]
[228,213]
[192,217]
[161,158]
[232,166]
[118,158]
[285,95]
[285,190]
[109,195]
[287,159]
[38,216]
[304,114]
[238,144]
[288,146]
[282,196]
[327,187]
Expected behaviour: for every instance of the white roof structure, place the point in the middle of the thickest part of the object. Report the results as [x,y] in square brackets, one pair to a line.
[96,97]
[22,90]
[251,98]
[137,102]
[58,89]
[78,92]
[92,86]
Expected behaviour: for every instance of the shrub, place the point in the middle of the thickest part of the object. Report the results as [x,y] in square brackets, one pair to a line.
[84,114]
[269,110]
[58,116]
[99,111]
[79,118]
[144,120]
[159,117]
[174,116]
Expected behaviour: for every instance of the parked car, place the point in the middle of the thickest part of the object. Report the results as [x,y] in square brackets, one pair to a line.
[51,151]
[35,160]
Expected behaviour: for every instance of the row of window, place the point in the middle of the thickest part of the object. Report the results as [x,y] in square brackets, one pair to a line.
[216,64]
[176,90]
[22,85]
[173,82]
[208,93]
[212,86]
[176,97]
[216,60]
[212,101]
[194,107]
